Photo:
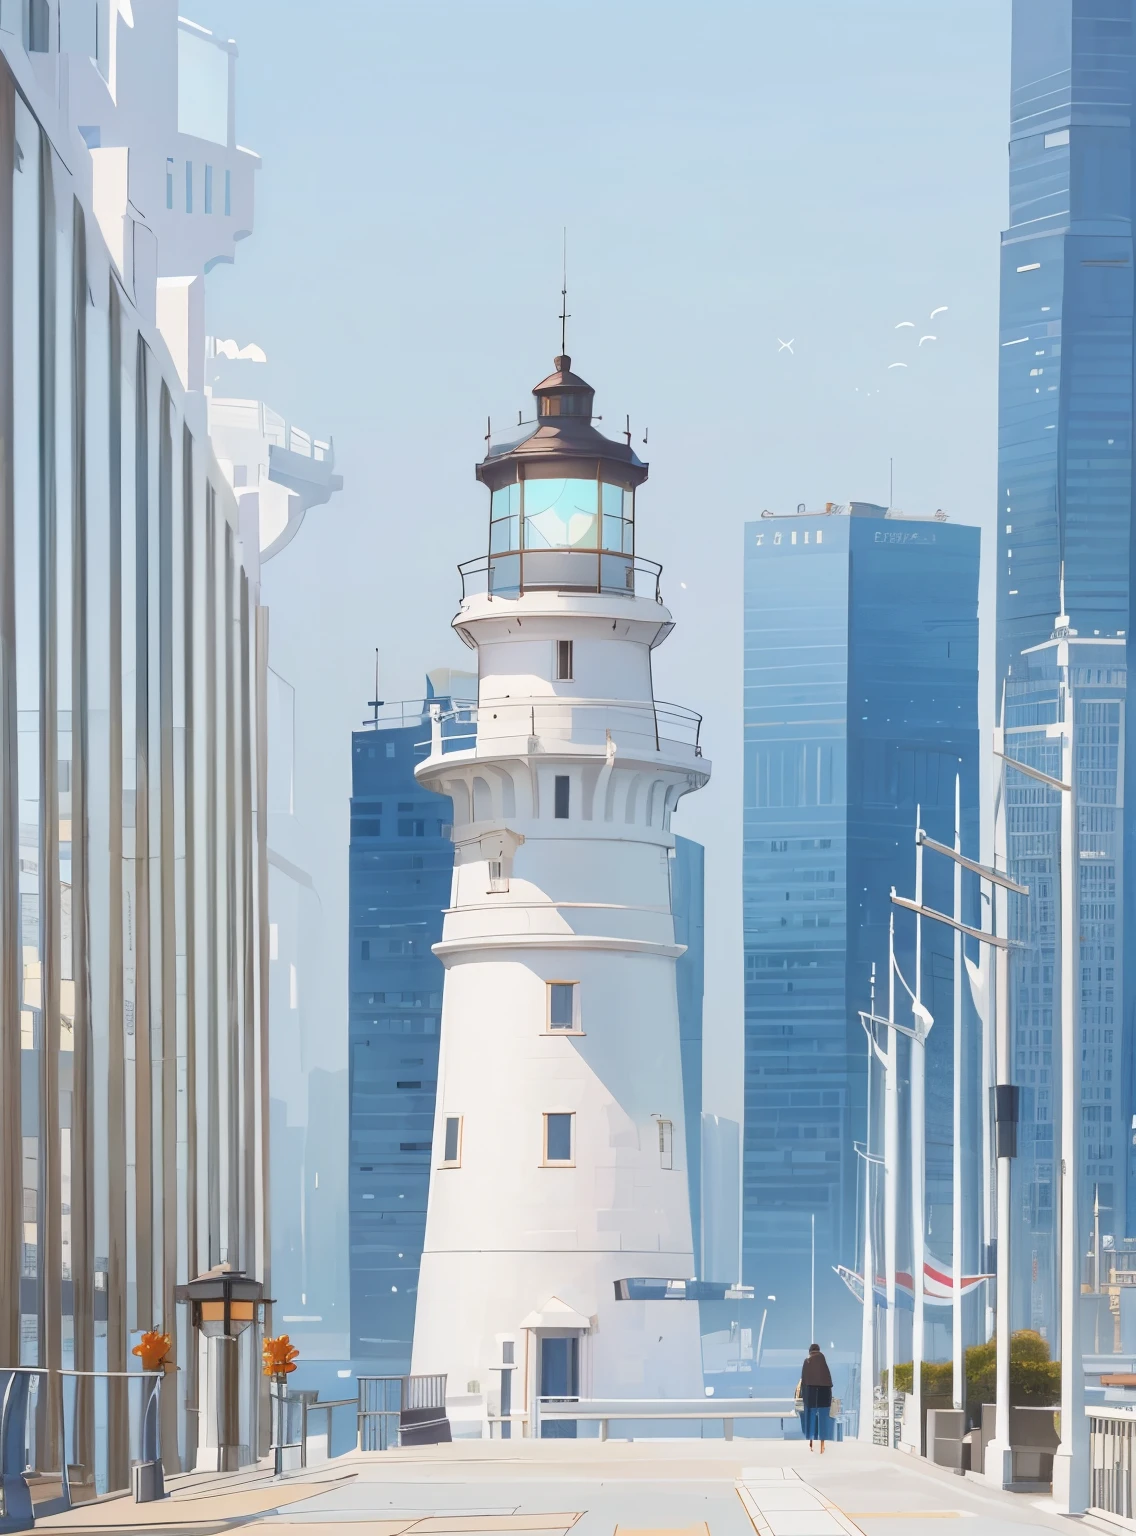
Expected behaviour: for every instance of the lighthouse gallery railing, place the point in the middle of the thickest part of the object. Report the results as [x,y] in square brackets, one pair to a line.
[585,725]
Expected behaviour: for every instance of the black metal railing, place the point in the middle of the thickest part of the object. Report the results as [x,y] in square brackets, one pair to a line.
[515,572]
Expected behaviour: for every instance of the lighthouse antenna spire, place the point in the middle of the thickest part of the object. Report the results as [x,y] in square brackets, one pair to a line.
[376,703]
[564,315]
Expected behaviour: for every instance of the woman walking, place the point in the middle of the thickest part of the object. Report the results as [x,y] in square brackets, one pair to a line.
[816,1394]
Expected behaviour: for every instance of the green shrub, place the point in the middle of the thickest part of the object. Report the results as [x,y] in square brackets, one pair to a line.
[1035,1379]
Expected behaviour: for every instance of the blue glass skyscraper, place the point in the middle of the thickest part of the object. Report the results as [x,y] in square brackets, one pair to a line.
[861,697]
[401,866]
[1065,378]
[1066,504]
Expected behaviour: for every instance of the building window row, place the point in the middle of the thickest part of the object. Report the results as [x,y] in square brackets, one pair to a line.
[558,1142]
[206,188]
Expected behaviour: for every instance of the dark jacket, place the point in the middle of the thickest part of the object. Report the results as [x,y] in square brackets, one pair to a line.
[815,1371]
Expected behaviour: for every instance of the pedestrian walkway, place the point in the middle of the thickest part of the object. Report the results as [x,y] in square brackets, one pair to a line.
[780,1503]
[583,1488]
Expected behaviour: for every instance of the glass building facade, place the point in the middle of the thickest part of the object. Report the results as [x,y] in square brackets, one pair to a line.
[401,869]
[861,695]
[1066,502]
[1095,673]
[133,1032]
[1065,380]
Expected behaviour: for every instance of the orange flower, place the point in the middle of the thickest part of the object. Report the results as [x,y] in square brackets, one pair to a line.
[154,1347]
[279,1356]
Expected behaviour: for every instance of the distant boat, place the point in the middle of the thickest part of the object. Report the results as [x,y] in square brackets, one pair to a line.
[938,1285]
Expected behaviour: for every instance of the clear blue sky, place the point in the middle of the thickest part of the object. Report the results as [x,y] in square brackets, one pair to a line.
[730,172]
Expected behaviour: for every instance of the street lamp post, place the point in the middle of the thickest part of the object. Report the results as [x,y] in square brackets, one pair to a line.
[224,1303]
[868,1319]
[918,1162]
[958,1358]
[888,1060]
[923,1023]
[997,1462]
[1070,1461]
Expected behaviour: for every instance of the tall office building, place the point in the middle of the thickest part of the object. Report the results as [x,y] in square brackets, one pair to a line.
[280,474]
[1094,671]
[861,697]
[401,867]
[1065,382]
[132,894]
[1066,502]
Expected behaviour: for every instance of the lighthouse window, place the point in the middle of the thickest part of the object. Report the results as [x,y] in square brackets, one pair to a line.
[618,514]
[560,808]
[666,1144]
[564,1005]
[564,661]
[505,519]
[558,1139]
[561,514]
[451,1147]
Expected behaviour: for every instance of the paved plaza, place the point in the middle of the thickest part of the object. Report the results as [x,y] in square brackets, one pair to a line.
[551,1488]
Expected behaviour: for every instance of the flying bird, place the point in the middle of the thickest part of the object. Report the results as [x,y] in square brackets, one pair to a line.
[786,346]
[897,365]
[902,323]
[942,309]
[922,339]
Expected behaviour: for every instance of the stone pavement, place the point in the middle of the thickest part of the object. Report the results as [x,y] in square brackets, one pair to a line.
[586,1488]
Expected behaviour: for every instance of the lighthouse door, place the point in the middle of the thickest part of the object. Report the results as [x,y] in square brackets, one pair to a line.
[559,1378]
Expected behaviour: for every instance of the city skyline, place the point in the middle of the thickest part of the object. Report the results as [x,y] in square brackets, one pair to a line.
[677,313]
[567,1044]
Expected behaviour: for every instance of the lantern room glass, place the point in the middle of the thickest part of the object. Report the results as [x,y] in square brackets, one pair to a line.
[562,513]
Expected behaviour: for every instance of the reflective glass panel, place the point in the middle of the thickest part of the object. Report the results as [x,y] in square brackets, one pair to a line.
[559,1138]
[562,1005]
[618,510]
[506,502]
[504,533]
[560,514]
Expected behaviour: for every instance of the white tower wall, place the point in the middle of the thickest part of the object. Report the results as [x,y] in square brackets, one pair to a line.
[520,1251]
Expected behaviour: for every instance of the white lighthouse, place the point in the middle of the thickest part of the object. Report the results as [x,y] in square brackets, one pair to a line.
[559,1158]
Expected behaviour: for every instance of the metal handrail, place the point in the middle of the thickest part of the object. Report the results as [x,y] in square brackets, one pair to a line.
[307,1409]
[604,1410]
[414,1392]
[150,1424]
[5,1416]
[657,715]
[484,564]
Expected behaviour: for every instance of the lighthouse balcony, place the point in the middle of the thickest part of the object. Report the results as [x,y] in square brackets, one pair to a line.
[567,728]
[512,573]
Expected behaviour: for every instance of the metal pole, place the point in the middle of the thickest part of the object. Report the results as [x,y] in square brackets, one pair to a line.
[813,1285]
[998,1465]
[1070,1461]
[868,1328]
[989,1162]
[918,1153]
[958,1375]
[760,1337]
[891,1151]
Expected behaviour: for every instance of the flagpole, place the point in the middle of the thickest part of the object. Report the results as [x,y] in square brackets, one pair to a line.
[918,1155]
[958,1380]
[891,1148]
[868,1322]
